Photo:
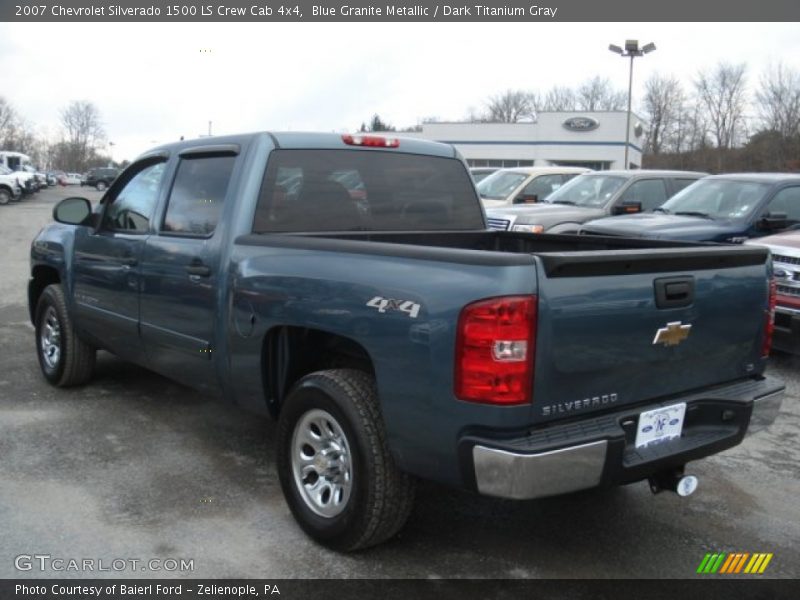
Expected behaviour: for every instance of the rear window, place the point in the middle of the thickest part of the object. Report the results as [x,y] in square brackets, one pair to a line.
[354,190]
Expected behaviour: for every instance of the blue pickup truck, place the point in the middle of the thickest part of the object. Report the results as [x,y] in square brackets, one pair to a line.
[348,286]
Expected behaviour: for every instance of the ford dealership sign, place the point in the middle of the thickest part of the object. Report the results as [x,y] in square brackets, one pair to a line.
[581,124]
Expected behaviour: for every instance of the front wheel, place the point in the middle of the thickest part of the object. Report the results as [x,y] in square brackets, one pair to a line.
[5,196]
[64,358]
[101,186]
[335,468]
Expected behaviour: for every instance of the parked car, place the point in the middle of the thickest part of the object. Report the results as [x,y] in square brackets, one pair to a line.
[481,173]
[785,250]
[720,208]
[100,177]
[590,196]
[71,179]
[21,164]
[400,341]
[523,185]
[10,188]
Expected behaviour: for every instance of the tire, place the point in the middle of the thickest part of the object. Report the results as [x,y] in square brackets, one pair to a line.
[5,196]
[368,497]
[64,358]
[101,186]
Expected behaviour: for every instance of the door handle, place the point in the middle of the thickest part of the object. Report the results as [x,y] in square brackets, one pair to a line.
[198,269]
[129,261]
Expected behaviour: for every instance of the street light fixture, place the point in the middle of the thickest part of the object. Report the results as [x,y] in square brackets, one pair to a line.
[631,50]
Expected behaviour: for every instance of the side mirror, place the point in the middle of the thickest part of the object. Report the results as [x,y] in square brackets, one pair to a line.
[627,208]
[73,211]
[526,199]
[772,221]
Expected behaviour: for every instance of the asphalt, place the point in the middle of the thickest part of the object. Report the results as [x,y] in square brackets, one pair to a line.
[133,466]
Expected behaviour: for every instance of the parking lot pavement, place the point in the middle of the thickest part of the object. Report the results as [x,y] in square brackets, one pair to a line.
[133,466]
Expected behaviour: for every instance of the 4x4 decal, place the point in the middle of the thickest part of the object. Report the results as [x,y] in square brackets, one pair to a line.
[384,304]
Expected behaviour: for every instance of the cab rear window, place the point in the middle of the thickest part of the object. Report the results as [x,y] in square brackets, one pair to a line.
[356,190]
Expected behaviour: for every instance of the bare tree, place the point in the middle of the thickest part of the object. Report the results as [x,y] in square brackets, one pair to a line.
[663,104]
[721,91]
[559,98]
[511,106]
[8,119]
[84,131]
[778,100]
[597,94]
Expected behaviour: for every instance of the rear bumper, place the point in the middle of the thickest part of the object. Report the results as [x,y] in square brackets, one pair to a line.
[600,450]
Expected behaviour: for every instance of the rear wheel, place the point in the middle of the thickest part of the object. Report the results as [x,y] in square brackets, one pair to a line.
[5,196]
[64,358]
[335,467]
[101,186]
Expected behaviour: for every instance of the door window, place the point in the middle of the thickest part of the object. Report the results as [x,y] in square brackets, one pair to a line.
[131,210]
[786,201]
[652,193]
[198,194]
[543,186]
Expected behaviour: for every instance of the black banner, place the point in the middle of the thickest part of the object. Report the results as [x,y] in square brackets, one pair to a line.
[356,589]
[396,11]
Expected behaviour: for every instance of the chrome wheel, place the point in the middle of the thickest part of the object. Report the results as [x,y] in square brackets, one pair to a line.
[50,338]
[321,463]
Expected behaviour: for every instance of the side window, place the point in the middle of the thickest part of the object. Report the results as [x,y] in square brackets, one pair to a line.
[679,184]
[786,201]
[198,194]
[543,186]
[131,210]
[650,192]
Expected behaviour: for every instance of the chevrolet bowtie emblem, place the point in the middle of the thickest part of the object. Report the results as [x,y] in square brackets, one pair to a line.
[673,334]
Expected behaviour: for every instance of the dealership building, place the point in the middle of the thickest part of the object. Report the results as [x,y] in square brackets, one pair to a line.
[584,139]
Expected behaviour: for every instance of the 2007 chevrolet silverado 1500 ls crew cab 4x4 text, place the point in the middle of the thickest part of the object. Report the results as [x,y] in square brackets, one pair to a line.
[348,286]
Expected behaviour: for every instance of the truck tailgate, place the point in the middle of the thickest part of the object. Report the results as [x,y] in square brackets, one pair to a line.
[617,328]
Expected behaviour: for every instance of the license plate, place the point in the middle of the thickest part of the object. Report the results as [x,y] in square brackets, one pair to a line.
[660,424]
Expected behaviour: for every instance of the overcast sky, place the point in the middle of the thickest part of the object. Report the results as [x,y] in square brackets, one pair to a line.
[153,84]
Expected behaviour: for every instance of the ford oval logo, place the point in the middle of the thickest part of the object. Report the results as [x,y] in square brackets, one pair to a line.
[581,124]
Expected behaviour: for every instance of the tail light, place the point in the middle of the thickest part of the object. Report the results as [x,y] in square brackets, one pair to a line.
[769,318]
[495,346]
[375,141]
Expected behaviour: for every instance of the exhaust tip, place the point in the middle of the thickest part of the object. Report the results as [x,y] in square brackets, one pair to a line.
[673,481]
[686,485]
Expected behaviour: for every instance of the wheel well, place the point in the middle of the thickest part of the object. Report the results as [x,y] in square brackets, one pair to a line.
[290,353]
[41,277]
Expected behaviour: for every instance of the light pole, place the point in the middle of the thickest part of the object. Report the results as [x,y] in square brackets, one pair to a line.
[632,50]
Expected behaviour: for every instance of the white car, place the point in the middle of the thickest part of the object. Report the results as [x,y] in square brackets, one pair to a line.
[72,179]
[524,185]
[9,186]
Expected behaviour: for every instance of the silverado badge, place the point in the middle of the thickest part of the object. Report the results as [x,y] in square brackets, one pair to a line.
[673,334]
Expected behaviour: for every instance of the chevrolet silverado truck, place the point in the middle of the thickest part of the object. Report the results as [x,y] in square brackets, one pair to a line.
[393,336]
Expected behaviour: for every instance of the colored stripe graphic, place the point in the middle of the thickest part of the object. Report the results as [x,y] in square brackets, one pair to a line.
[727,564]
[717,564]
[702,567]
[731,563]
[741,562]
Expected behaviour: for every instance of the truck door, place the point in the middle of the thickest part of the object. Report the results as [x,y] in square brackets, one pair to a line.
[107,261]
[180,270]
